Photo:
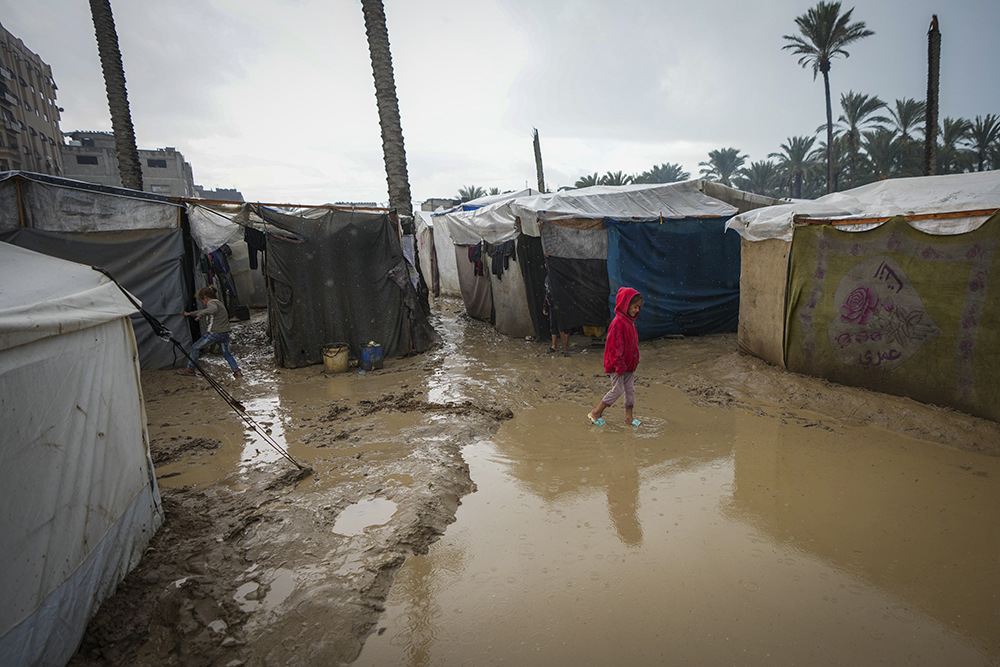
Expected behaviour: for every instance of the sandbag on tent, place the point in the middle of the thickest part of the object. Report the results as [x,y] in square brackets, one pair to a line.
[340,278]
[693,267]
[136,236]
[79,498]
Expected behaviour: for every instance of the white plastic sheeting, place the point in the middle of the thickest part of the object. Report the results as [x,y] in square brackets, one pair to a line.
[214,225]
[623,202]
[79,500]
[901,196]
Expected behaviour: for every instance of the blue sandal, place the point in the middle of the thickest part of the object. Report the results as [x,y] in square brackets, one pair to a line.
[596,422]
[636,422]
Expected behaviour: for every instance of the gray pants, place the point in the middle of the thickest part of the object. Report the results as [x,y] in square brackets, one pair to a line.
[621,384]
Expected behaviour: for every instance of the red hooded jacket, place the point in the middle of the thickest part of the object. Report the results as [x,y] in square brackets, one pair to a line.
[621,348]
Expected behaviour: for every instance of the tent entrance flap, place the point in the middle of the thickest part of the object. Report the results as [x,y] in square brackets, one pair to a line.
[689,271]
[342,278]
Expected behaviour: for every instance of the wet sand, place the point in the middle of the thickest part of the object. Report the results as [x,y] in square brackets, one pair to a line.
[757,517]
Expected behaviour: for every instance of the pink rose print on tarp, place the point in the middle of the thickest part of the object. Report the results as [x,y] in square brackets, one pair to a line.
[860,305]
[881,321]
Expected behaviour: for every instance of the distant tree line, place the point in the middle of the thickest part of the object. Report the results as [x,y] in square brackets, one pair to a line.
[871,140]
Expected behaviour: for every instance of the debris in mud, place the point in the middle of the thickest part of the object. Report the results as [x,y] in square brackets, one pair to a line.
[407,401]
[168,450]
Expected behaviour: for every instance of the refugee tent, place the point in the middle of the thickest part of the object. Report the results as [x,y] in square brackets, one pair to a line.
[885,286]
[665,240]
[493,285]
[80,502]
[136,236]
[340,277]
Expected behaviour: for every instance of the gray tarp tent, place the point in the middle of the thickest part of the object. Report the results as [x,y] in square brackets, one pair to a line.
[340,278]
[136,236]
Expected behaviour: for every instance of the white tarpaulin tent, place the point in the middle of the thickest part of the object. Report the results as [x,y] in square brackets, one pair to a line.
[927,196]
[489,219]
[78,496]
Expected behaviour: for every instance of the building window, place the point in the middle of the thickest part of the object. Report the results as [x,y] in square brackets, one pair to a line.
[86,159]
[156,164]
[4,165]
[86,141]
[161,189]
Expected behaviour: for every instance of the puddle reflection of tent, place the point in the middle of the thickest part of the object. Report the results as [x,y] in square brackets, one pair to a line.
[79,499]
[666,240]
[887,289]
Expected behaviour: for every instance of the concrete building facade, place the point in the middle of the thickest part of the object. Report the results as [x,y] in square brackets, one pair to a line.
[91,157]
[30,137]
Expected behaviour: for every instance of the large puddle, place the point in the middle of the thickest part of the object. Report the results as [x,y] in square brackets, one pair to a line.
[707,537]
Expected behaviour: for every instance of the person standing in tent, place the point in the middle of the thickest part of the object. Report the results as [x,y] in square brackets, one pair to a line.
[621,356]
[217,331]
[548,309]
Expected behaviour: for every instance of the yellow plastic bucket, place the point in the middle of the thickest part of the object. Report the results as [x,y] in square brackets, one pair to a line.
[335,357]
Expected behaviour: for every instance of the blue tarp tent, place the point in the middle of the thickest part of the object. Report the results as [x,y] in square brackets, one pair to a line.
[666,240]
[689,268]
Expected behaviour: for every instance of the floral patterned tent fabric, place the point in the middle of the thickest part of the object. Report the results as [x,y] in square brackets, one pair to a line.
[900,311]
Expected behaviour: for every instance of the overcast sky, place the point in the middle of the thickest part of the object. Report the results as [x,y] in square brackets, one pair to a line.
[276,97]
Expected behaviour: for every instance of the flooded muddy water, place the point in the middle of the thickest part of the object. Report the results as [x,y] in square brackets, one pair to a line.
[705,537]
[461,510]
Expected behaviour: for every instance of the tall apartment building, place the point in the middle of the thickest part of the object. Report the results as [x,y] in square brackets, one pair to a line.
[91,157]
[30,137]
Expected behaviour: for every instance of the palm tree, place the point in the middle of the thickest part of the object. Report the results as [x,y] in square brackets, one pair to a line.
[470,192]
[762,178]
[722,165]
[663,173]
[493,191]
[615,178]
[906,118]
[983,134]
[393,151]
[587,181]
[796,163]
[950,155]
[825,34]
[885,152]
[838,152]
[858,109]
[931,105]
[114,82]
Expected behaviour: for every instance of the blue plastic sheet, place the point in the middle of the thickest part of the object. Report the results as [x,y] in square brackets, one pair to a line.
[688,272]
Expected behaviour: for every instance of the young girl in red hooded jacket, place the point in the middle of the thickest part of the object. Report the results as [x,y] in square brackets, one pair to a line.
[621,355]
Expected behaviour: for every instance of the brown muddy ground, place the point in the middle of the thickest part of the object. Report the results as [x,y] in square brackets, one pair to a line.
[261,563]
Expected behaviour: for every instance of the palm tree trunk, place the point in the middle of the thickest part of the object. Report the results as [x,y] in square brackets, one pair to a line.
[829,130]
[114,82]
[393,151]
[931,117]
[538,162]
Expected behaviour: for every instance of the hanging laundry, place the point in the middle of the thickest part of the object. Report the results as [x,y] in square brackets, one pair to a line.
[256,242]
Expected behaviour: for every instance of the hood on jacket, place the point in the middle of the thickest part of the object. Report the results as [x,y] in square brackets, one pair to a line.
[623,299]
